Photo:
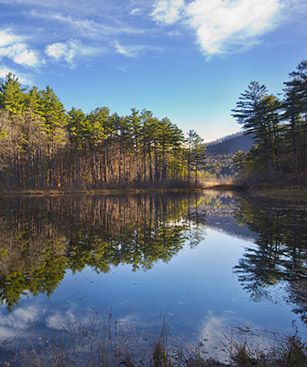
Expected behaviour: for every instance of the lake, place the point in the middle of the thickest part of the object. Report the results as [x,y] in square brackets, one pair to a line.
[205,265]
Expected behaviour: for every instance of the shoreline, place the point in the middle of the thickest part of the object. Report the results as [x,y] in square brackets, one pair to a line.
[282,192]
[92,192]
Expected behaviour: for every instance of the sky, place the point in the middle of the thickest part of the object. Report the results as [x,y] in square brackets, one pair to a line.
[185,59]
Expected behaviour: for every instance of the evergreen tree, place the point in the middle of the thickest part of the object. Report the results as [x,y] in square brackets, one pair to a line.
[255,111]
[249,110]
[79,128]
[55,119]
[99,120]
[33,102]
[295,112]
[12,95]
[196,154]
[270,144]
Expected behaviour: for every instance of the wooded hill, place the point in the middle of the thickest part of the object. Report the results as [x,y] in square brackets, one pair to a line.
[230,144]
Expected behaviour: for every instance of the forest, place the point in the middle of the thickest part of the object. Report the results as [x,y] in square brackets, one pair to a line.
[278,125]
[44,146]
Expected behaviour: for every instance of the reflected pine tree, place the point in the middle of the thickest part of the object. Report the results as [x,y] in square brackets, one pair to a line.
[280,251]
[42,238]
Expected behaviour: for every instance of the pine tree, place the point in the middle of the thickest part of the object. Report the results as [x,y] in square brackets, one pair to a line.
[196,153]
[79,128]
[295,113]
[250,112]
[12,97]
[55,119]
[99,121]
[33,102]
[271,145]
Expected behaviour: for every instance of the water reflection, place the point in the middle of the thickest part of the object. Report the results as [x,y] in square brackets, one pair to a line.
[263,242]
[43,237]
[281,251]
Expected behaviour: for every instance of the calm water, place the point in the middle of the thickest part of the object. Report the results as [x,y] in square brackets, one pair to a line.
[204,264]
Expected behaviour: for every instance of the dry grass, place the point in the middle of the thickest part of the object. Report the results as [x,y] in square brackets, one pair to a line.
[104,343]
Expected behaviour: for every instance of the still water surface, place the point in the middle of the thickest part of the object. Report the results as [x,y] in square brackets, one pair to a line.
[205,264]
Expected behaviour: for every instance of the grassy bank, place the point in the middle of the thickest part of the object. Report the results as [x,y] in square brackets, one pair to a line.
[228,184]
[89,351]
[284,191]
[106,342]
[106,191]
[279,189]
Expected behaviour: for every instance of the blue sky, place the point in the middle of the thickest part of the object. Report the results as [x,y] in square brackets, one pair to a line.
[185,59]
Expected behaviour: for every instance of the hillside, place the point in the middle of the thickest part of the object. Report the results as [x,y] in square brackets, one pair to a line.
[230,144]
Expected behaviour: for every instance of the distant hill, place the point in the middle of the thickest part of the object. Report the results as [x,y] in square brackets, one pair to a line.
[230,144]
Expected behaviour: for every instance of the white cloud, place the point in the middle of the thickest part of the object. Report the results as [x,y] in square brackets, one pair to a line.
[8,38]
[136,11]
[20,54]
[70,50]
[61,321]
[13,47]
[21,318]
[219,330]
[87,27]
[128,51]
[134,50]
[71,6]
[222,25]
[167,11]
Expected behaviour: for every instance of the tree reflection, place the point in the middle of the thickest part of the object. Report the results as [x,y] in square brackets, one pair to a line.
[43,237]
[280,254]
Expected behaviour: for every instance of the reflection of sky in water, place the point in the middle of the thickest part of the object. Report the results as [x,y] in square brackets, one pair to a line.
[197,290]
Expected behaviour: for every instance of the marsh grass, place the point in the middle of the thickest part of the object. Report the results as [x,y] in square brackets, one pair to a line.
[109,343]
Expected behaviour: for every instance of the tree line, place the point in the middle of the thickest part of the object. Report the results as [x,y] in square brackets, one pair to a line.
[278,125]
[44,146]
